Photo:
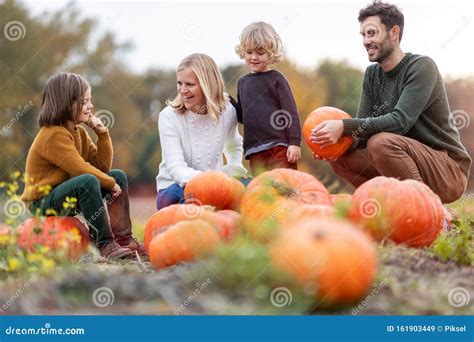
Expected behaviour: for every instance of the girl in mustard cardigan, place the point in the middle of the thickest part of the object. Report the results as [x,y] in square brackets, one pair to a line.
[64,157]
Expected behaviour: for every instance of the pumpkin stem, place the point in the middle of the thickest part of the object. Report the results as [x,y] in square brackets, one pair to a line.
[285,190]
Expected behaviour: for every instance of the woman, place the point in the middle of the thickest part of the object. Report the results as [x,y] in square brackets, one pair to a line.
[195,129]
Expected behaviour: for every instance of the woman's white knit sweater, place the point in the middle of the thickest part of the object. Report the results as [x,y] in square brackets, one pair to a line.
[192,143]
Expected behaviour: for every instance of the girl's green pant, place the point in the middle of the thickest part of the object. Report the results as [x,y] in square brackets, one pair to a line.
[86,189]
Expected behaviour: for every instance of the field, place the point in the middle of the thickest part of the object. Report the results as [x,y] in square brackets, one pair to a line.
[409,281]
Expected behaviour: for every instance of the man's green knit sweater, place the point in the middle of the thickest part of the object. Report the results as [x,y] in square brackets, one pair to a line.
[409,100]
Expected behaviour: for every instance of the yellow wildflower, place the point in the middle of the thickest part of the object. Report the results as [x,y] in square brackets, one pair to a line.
[47,264]
[14,264]
[15,175]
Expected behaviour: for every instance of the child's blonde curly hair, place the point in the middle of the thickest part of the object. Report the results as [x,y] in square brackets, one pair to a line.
[260,36]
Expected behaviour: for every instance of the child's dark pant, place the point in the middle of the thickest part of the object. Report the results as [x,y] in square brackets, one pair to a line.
[86,189]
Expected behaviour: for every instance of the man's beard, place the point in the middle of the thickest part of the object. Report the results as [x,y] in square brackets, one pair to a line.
[384,52]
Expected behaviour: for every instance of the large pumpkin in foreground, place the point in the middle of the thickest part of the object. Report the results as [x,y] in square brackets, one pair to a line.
[316,117]
[67,235]
[272,195]
[184,241]
[405,211]
[313,211]
[330,257]
[214,188]
[226,222]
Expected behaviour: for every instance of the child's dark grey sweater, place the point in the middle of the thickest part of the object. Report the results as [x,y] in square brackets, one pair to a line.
[268,112]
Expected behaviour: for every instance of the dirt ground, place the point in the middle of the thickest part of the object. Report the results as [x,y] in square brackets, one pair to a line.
[409,281]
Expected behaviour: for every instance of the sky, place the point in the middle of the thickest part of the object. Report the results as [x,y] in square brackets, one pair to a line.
[164,32]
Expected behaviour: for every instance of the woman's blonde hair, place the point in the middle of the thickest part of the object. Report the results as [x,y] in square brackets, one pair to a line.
[211,82]
[260,36]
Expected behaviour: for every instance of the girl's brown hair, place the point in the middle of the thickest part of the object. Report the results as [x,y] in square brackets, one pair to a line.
[62,99]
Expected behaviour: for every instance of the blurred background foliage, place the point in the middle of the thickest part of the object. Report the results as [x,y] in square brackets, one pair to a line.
[66,41]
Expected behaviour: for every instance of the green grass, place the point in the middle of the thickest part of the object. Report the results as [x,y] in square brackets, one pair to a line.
[138,230]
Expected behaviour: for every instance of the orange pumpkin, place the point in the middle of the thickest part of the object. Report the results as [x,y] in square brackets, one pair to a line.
[184,241]
[331,258]
[305,211]
[214,188]
[227,222]
[272,195]
[316,117]
[340,198]
[61,234]
[406,211]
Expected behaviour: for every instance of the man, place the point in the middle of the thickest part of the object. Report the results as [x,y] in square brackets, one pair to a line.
[403,127]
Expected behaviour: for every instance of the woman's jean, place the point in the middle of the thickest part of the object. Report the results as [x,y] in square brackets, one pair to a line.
[168,196]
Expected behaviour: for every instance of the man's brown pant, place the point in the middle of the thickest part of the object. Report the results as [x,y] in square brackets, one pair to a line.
[393,155]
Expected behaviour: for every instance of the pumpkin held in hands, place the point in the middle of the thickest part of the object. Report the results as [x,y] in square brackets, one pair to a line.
[184,241]
[66,234]
[316,117]
[332,258]
[405,211]
[214,188]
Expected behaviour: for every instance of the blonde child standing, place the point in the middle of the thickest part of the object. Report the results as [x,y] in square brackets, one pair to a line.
[266,106]
[64,157]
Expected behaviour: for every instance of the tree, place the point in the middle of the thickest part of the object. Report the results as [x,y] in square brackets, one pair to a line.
[343,84]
